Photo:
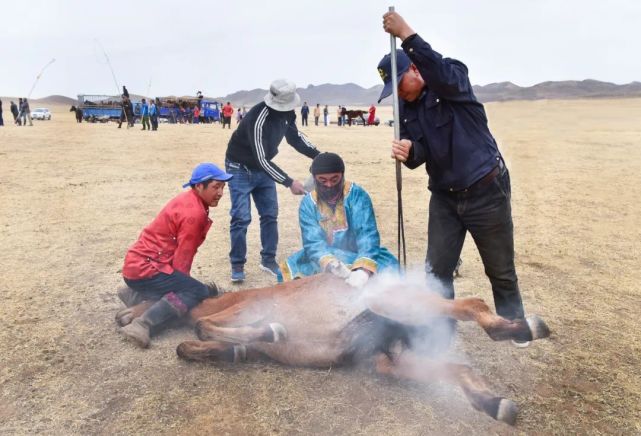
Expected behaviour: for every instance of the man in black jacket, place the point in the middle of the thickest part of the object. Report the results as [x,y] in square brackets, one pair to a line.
[443,126]
[249,156]
[14,112]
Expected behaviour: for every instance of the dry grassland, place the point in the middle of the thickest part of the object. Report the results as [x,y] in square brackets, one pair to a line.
[74,197]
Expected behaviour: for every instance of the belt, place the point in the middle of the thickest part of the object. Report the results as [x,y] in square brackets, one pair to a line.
[486,179]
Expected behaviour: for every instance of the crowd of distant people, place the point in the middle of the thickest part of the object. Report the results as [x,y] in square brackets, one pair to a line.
[342,118]
[183,114]
[21,113]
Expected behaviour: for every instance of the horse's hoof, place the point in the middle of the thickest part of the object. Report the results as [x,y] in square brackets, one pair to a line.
[538,327]
[202,351]
[507,411]
[201,331]
[279,332]
[193,351]
[125,316]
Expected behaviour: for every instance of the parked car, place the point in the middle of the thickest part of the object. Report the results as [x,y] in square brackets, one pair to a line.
[41,113]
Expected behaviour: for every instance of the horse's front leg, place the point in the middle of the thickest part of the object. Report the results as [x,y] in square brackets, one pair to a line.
[410,366]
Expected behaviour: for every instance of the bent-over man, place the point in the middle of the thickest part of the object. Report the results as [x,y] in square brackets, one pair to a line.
[444,126]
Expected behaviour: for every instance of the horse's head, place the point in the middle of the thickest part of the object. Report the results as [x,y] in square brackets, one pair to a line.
[73,109]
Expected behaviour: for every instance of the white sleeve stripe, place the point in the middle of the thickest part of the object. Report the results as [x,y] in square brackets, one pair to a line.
[305,140]
[258,134]
[260,151]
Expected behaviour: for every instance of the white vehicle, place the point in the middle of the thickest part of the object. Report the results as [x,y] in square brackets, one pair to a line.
[41,113]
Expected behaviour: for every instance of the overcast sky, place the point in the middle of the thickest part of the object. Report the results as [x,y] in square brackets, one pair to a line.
[222,46]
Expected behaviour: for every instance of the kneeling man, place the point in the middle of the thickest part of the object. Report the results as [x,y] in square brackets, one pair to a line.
[157,266]
[338,228]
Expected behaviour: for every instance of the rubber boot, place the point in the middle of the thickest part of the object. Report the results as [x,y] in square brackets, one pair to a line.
[129,296]
[139,329]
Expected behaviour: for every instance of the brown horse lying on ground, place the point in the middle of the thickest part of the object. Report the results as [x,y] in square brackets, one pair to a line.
[320,321]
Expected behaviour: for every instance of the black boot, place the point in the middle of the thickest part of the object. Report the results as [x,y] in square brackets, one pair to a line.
[139,329]
[129,296]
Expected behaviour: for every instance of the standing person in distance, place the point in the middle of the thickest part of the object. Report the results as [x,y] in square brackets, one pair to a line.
[304,114]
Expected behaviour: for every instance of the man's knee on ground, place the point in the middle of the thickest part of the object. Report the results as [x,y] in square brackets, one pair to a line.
[201,292]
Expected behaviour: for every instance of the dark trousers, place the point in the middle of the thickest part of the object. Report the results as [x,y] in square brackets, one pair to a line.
[123,117]
[181,290]
[1,120]
[485,212]
[304,122]
[145,122]
[154,122]
[243,187]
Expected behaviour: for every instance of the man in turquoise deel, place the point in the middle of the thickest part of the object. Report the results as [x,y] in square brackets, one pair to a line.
[338,228]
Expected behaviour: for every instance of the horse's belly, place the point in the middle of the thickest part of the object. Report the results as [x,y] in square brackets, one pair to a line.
[314,322]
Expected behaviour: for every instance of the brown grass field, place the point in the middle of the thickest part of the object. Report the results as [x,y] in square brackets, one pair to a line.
[74,197]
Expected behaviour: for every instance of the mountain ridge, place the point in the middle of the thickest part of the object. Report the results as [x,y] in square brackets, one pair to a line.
[352,94]
[355,95]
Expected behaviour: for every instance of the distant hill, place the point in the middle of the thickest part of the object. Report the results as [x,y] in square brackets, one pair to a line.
[355,95]
[568,89]
[52,100]
[351,94]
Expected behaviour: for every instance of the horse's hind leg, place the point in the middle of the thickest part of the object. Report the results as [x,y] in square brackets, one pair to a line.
[239,324]
[418,307]
[215,351]
[410,366]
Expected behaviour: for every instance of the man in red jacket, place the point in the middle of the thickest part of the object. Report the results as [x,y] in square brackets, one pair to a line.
[157,266]
[228,111]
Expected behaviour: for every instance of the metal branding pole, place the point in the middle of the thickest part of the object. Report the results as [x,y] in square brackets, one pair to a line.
[397,136]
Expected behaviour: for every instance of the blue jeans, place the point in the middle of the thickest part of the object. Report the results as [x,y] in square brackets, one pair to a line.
[485,212]
[187,289]
[246,185]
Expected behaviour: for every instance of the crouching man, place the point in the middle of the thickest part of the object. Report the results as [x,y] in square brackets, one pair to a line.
[157,266]
[338,228]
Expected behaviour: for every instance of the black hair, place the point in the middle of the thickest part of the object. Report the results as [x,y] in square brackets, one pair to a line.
[205,183]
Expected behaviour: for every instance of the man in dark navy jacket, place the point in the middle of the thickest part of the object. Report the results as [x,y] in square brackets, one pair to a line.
[443,126]
[249,156]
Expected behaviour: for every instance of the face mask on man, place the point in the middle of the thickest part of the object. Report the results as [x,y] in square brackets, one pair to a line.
[331,195]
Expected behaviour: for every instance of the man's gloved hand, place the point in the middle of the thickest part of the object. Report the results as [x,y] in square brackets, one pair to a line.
[357,278]
[338,268]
